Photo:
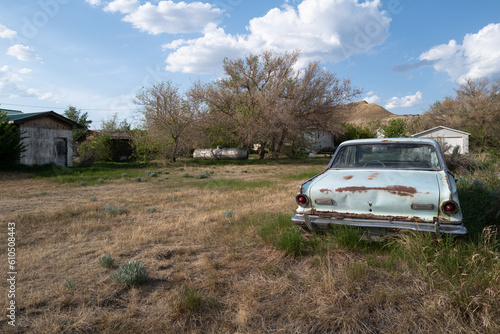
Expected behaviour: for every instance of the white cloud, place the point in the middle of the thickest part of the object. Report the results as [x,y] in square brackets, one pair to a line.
[373,99]
[323,30]
[477,57]
[210,50]
[6,32]
[13,85]
[404,102]
[23,53]
[94,3]
[122,6]
[166,17]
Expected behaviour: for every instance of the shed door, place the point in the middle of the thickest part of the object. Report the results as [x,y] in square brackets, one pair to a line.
[61,151]
[455,141]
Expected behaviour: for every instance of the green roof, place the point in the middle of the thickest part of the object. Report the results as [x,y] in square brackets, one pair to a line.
[18,117]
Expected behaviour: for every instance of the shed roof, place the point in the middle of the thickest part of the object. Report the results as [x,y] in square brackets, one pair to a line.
[439,128]
[18,117]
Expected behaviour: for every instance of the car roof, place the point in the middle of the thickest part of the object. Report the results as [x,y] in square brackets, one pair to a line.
[390,141]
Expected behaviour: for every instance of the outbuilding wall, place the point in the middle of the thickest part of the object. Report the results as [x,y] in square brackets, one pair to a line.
[47,140]
[450,136]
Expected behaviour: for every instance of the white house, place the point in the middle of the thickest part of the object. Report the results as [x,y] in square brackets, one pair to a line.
[451,137]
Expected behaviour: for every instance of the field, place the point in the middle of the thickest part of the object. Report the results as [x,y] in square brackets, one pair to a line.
[221,256]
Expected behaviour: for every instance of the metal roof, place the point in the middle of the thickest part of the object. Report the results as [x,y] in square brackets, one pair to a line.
[440,127]
[18,117]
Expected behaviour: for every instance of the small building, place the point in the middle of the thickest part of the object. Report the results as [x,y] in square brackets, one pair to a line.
[451,137]
[48,137]
[121,146]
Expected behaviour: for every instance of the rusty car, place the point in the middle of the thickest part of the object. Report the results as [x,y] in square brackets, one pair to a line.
[383,186]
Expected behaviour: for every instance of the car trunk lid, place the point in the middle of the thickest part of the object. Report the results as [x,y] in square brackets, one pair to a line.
[400,195]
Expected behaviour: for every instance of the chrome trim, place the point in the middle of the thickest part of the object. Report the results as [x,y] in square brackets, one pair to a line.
[418,206]
[324,201]
[314,222]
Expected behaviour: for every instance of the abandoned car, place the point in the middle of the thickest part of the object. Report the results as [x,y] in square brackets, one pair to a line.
[382,186]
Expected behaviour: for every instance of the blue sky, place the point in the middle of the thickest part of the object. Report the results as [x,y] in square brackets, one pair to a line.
[97,54]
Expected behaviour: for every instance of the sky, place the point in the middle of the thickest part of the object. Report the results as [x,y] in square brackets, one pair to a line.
[96,55]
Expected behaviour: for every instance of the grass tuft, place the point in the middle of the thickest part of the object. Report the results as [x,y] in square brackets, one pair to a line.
[131,274]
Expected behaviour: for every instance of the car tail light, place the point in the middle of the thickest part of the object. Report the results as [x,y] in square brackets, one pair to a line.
[302,200]
[449,207]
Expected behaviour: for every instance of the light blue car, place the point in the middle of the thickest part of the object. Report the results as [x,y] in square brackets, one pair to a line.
[381,186]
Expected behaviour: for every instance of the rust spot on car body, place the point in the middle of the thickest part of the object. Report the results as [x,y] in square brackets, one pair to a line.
[326,191]
[373,176]
[348,177]
[396,190]
[370,216]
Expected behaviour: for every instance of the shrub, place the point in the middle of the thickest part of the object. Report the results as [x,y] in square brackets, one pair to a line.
[11,145]
[124,175]
[185,174]
[151,209]
[108,208]
[228,213]
[69,283]
[93,199]
[130,274]
[106,261]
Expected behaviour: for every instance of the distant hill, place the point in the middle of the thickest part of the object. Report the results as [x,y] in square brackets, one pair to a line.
[362,113]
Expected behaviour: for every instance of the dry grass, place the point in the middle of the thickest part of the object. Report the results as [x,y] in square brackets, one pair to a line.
[207,273]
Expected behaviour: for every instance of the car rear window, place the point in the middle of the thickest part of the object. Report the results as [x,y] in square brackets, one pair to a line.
[387,155]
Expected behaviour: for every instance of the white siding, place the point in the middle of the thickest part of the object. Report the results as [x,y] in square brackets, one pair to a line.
[449,136]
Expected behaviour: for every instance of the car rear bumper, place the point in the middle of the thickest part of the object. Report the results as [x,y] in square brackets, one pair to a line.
[379,227]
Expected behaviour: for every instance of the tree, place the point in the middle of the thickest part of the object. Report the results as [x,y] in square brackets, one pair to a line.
[81,118]
[263,99]
[474,109]
[11,145]
[396,128]
[112,125]
[167,116]
[353,131]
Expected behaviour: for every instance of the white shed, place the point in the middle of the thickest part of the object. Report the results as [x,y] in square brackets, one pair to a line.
[451,137]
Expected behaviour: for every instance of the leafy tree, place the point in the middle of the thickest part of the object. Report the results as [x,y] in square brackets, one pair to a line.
[353,131]
[263,99]
[167,117]
[112,125]
[81,118]
[396,128]
[95,149]
[11,145]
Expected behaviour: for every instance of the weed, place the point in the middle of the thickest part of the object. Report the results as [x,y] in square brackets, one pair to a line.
[140,179]
[130,274]
[82,183]
[108,208]
[228,213]
[106,261]
[190,301]
[69,283]
[166,172]
[93,199]
[129,222]
[357,270]
[180,169]
[244,171]
[185,174]
[163,178]
[124,175]
[151,209]
[100,181]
